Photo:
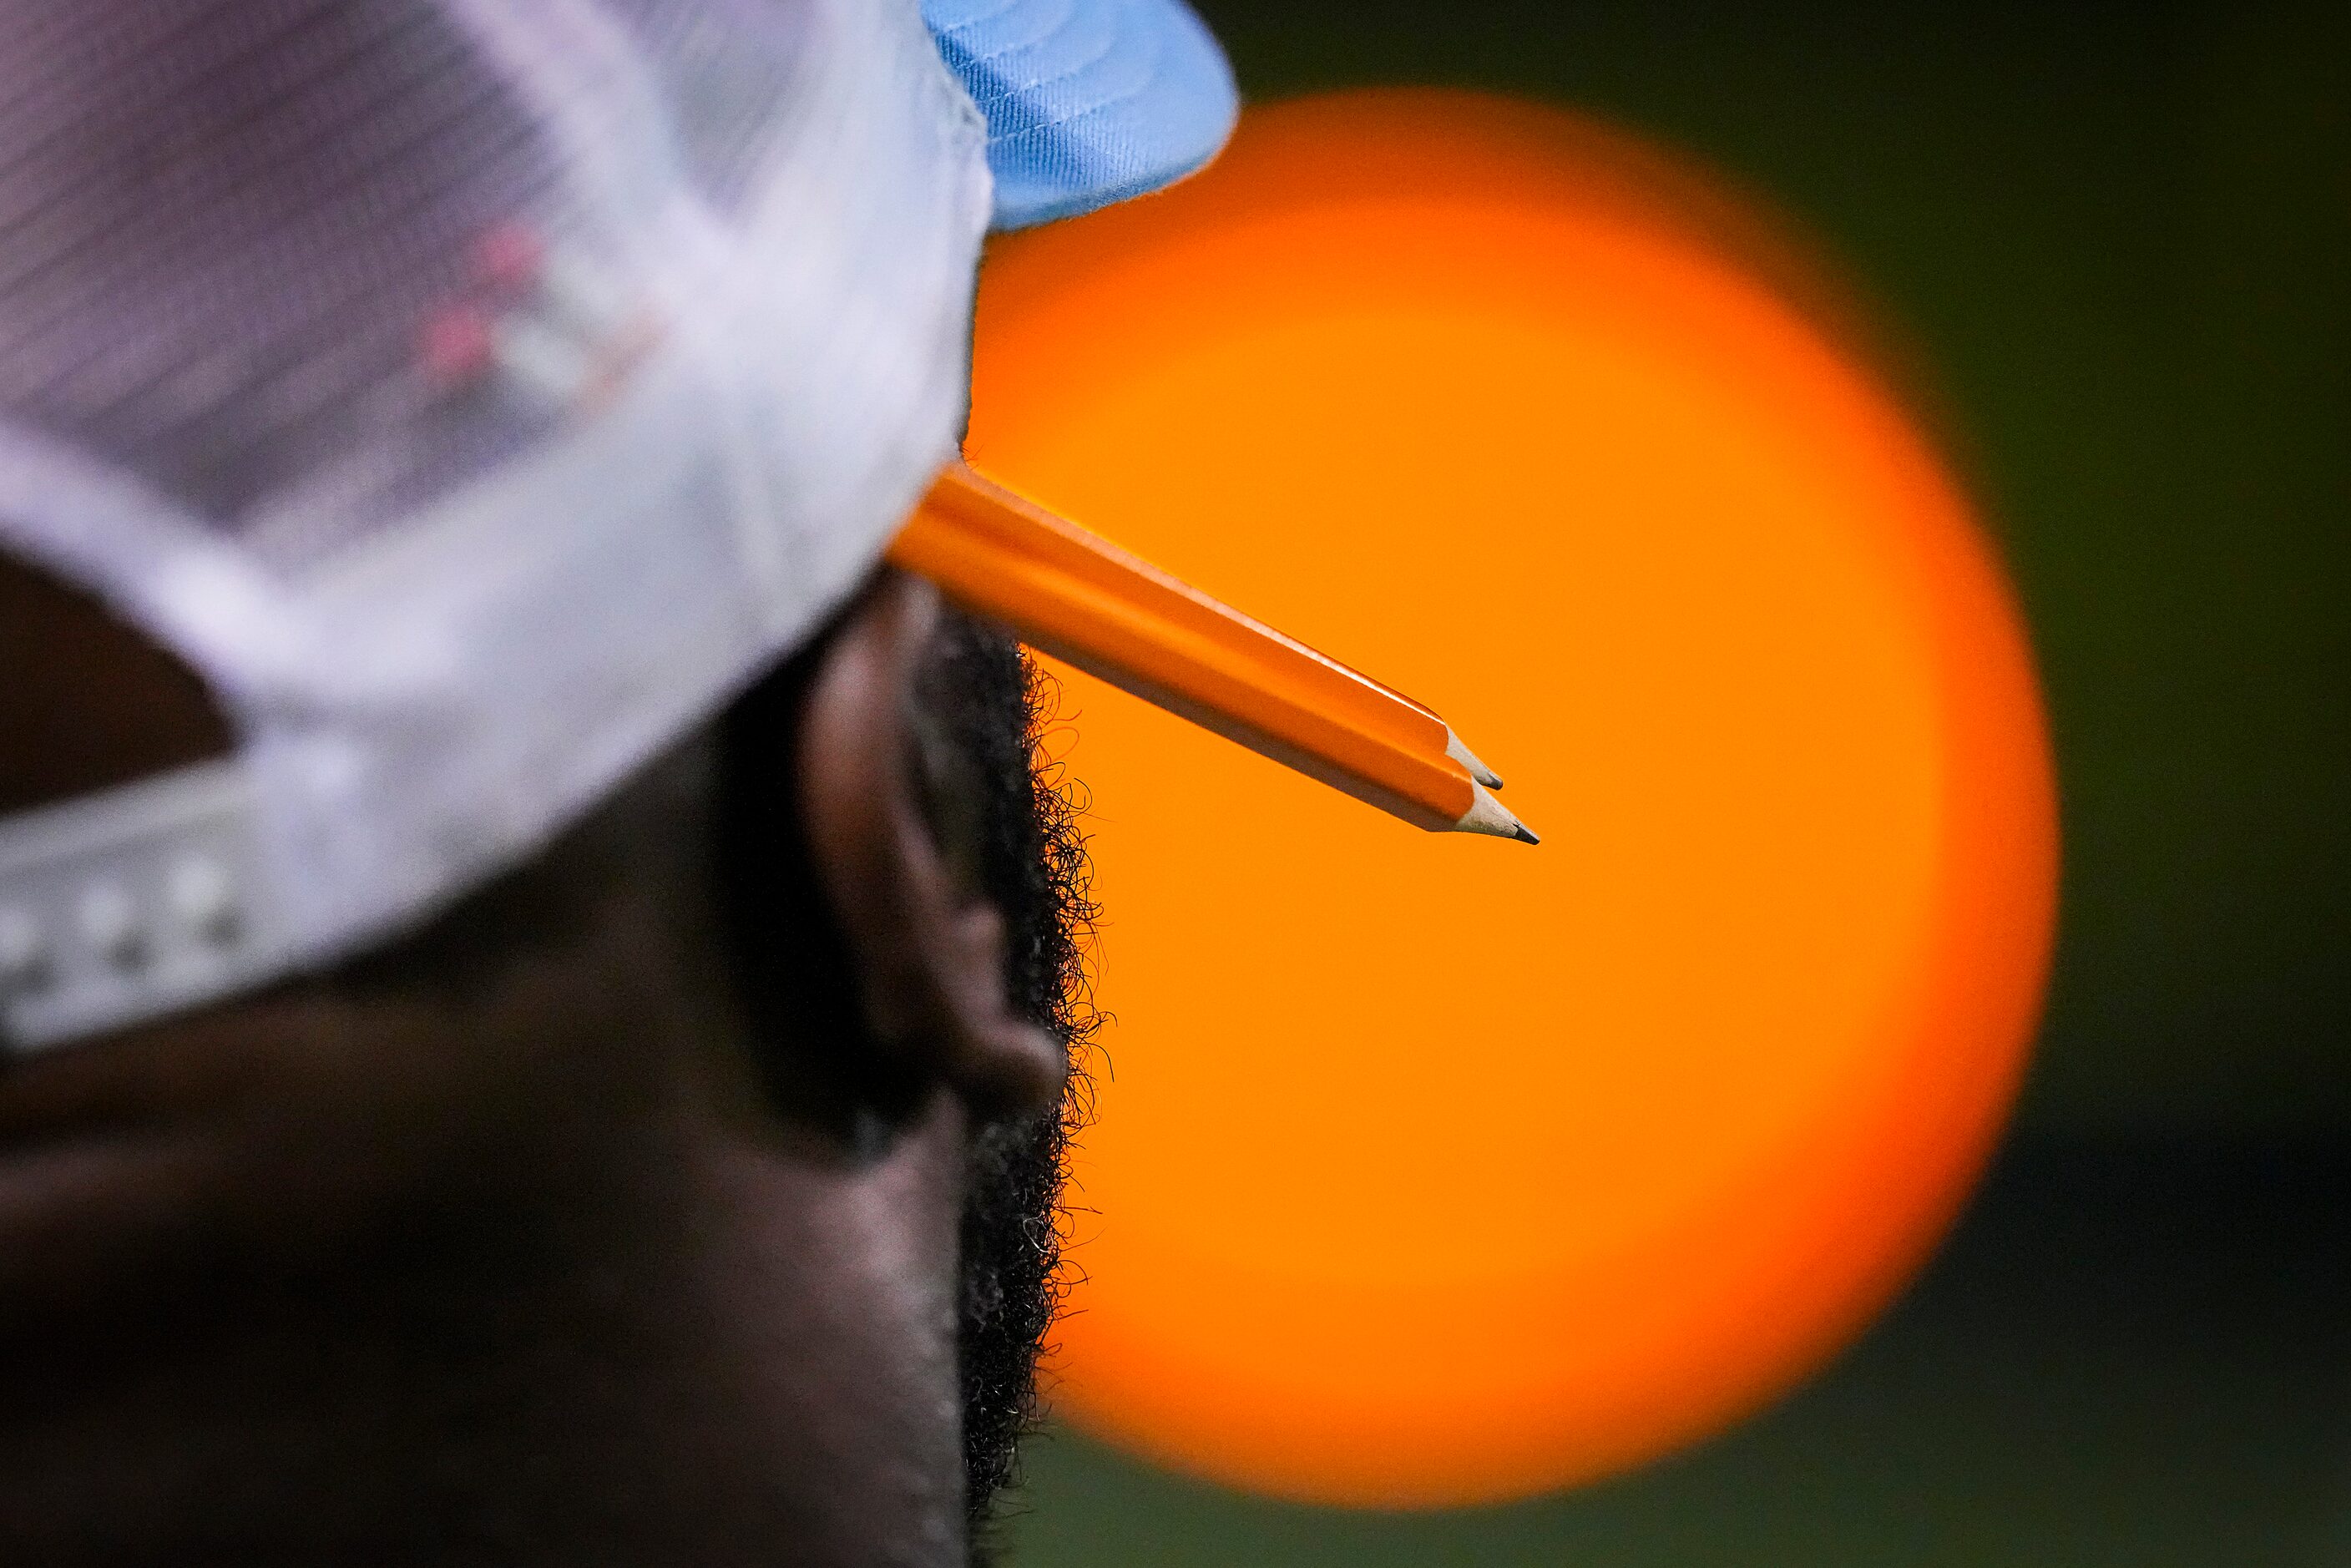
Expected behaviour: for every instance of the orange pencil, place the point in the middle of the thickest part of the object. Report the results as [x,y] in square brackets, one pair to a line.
[1079,597]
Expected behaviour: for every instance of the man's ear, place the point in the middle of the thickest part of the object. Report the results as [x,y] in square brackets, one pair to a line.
[927,950]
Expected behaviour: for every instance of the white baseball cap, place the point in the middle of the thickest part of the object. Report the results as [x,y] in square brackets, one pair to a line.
[485,396]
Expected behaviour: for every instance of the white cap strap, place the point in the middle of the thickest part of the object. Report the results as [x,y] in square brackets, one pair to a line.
[132,902]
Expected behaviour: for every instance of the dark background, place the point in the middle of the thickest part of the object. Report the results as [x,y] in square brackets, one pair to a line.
[2118,240]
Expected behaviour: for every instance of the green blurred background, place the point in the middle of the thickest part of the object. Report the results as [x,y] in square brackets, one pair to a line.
[2118,238]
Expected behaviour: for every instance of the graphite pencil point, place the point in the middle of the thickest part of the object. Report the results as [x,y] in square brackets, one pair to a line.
[1489,816]
[1468,759]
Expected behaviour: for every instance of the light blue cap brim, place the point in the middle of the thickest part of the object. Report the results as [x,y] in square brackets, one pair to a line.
[1088,101]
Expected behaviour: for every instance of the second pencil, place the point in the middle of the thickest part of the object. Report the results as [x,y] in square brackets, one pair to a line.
[1076,596]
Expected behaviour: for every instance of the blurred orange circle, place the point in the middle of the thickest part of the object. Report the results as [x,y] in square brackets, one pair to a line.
[1432,1169]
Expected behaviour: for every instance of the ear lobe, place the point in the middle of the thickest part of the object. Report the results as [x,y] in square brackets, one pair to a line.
[929,956]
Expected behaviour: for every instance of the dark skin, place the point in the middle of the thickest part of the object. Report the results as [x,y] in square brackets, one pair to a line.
[529,1238]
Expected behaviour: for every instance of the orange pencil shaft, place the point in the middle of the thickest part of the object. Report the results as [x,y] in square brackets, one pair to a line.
[1079,597]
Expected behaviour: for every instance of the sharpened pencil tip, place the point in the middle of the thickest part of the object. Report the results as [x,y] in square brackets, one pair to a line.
[1526,835]
[1489,816]
[1468,759]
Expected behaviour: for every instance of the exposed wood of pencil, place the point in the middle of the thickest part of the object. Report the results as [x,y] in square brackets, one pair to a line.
[1079,597]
